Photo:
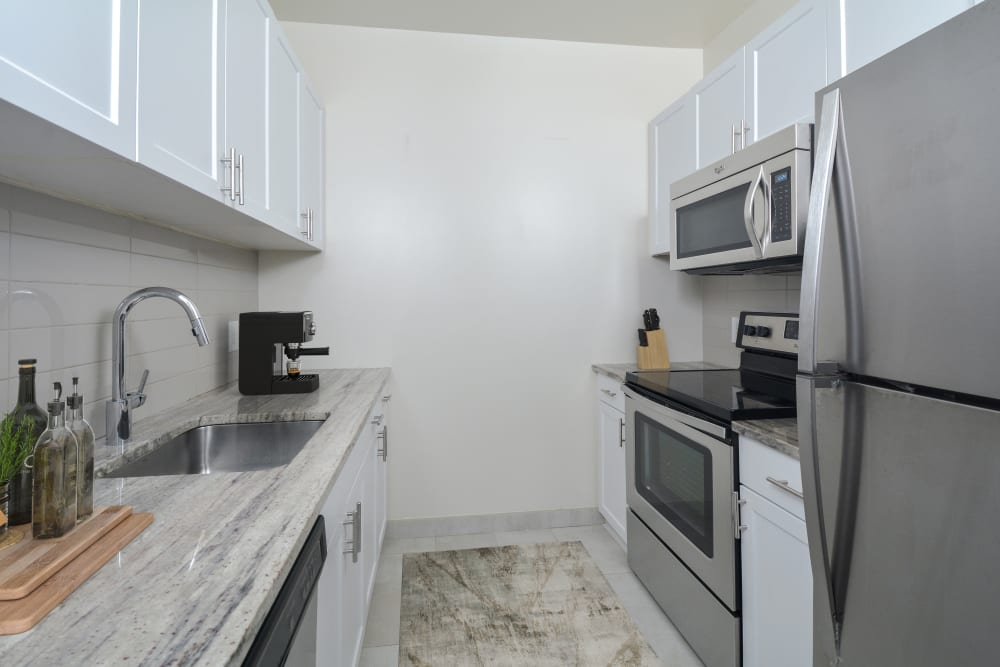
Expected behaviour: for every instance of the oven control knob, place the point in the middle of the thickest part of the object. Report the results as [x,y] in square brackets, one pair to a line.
[763,332]
[749,330]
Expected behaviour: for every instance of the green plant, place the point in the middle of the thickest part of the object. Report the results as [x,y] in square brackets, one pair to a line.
[15,445]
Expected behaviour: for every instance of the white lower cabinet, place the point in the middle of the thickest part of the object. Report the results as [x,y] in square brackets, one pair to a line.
[777,579]
[354,530]
[611,427]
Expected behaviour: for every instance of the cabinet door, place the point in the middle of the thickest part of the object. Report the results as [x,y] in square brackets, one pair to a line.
[612,462]
[777,586]
[354,589]
[673,154]
[282,135]
[786,65]
[721,104]
[874,27]
[74,64]
[311,172]
[180,91]
[330,600]
[248,24]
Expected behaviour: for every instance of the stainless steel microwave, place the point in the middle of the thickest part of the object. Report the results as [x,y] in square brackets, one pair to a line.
[747,212]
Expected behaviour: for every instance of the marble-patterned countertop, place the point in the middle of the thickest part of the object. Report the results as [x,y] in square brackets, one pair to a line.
[617,371]
[780,434]
[195,586]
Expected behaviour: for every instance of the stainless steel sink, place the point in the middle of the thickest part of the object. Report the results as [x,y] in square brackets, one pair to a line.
[224,448]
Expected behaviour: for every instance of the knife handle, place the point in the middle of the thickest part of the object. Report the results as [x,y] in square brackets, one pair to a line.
[643,340]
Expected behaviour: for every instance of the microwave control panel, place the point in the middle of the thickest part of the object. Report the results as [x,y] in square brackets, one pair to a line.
[781,205]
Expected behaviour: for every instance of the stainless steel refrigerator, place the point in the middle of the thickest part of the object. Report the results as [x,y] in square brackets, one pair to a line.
[899,364]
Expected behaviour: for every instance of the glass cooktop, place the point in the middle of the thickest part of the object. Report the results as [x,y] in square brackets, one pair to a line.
[726,394]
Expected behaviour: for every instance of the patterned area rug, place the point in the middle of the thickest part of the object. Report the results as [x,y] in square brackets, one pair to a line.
[532,605]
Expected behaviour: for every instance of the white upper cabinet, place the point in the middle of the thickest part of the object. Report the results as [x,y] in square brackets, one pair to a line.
[673,154]
[785,65]
[248,23]
[74,64]
[875,27]
[721,102]
[311,175]
[181,140]
[282,135]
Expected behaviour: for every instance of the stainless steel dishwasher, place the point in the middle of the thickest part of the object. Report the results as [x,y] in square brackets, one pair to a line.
[288,634]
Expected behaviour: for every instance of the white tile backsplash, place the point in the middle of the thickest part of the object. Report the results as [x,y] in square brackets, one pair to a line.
[45,260]
[724,297]
[148,270]
[35,305]
[63,270]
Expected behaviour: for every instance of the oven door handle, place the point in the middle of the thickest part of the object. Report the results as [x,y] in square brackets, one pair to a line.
[675,415]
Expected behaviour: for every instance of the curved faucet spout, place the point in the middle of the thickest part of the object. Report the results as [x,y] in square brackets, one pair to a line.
[121,403]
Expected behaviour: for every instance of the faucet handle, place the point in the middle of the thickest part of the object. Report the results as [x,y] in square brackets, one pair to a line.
[137,399]
[142,382]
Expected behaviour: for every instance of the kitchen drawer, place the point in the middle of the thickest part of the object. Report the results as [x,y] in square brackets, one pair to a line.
[759,462]
[610,391]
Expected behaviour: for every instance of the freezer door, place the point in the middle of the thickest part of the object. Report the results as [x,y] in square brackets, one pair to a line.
[902,494]
[903,278]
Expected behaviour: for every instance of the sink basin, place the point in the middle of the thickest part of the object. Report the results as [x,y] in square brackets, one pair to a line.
[224,448]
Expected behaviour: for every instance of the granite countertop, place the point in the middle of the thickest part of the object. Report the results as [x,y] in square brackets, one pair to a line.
[195,586]
[780,434]
[617,371]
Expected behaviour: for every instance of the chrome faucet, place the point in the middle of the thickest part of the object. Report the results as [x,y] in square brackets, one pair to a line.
[119,422]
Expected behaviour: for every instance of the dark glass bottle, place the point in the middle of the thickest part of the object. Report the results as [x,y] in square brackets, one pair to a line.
[53,506]
[21,483]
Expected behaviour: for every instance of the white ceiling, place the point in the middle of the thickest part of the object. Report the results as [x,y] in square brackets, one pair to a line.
[671,23]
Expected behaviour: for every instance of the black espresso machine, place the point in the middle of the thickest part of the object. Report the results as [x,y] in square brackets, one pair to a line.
[270,351]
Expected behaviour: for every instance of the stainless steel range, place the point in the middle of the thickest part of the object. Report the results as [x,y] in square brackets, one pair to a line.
[682,475]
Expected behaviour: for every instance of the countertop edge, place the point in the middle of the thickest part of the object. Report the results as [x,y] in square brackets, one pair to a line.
[778,434]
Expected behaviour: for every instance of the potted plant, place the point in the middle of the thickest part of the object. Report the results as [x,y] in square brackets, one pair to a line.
[15,448]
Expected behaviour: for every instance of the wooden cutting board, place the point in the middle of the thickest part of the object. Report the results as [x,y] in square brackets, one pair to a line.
[26,565]
[21,615]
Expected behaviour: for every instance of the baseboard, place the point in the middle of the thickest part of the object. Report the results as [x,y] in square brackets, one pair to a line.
[493,523]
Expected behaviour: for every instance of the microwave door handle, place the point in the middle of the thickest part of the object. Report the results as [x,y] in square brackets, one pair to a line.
[748,213]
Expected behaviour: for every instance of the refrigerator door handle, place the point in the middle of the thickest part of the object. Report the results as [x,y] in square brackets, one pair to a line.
[816,221]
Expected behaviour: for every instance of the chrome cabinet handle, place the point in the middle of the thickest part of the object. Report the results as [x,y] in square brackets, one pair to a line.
[738,525]
[784,486]
[386,398]
[744,128]
[231,163]
[239,167]
[621,432]
[732,136]
[377,419]
[305,216]
[311,228]
[354,544]
[383,451]
[610,393]
[756,184]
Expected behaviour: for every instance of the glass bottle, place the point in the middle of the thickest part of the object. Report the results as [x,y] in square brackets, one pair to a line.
[53,506]
[84,434]
[20,484]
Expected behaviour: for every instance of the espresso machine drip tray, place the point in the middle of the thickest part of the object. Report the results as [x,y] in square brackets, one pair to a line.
[295,384]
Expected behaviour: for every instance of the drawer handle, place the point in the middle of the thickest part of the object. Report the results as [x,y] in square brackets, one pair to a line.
[610,393]
[783,485]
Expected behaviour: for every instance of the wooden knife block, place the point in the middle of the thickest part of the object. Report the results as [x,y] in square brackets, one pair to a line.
[654,356]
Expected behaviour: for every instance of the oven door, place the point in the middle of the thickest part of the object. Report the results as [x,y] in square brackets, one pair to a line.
[754,215]
[681,484]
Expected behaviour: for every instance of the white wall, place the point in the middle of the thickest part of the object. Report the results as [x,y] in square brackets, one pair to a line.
[759,15]
[486,202]
[63,270]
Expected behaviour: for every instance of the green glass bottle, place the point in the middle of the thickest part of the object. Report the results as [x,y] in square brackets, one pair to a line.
[53,504]
[20,484]
[85,461]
